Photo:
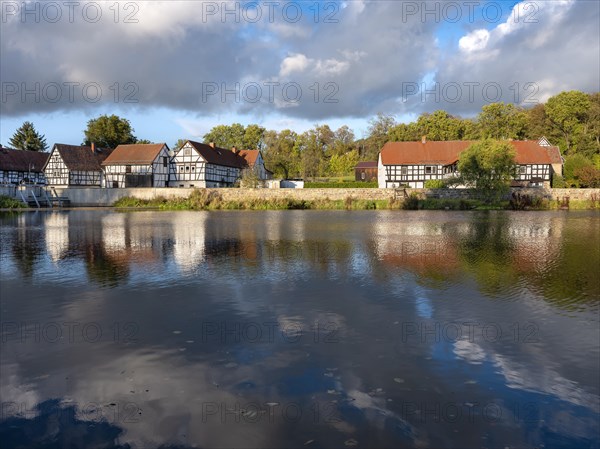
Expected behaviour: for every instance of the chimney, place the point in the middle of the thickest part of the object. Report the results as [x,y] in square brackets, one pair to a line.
[423,139]
[212,144]
[93,148]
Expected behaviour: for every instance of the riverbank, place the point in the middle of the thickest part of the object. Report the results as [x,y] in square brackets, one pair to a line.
[322,199]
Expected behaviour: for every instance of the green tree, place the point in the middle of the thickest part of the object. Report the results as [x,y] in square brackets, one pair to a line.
[502,121]
[144,141]
[568,113]
[378,134]
[439,126]
[281,154]
[488,166]
[343,164]
[179,144]
[253,137]
[343,141]
[572,168]
[109,131]
[27,138]
[404,132]
[227,136]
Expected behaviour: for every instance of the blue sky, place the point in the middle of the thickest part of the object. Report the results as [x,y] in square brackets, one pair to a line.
[366,61]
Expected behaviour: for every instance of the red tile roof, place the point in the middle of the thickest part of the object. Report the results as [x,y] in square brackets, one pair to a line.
[22,160]
[135,154]
[80,157]
[367,164]
[219,156]
[250,156]
[447,152]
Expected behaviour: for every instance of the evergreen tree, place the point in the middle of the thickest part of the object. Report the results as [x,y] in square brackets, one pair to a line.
[27,138]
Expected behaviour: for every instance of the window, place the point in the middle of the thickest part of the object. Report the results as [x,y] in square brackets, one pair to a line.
[522,169]
[363,176]
[404,170]
[187,152]
[165,161]
[115,184]
[128,169]
[193,168]
[187,168]
[430,170]
[181,168]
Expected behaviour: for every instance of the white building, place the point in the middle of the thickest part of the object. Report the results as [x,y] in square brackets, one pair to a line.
[22,166]
[138,165]
[411,164]
[75,166]
[201,165]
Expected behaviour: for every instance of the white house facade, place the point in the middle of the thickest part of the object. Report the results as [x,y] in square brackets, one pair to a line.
[75,166]
[200,165]
[22,166]
[138,165]
[412,164]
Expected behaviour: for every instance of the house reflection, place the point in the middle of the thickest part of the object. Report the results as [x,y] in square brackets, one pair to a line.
[56,228]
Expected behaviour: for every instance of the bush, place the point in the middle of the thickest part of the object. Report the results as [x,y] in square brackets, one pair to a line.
[435,184]
[558,182]
[6,202]
[411,203]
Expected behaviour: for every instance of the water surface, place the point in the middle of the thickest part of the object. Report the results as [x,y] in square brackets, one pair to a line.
[300,329]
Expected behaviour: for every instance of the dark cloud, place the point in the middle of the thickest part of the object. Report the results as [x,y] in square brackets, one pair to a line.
[177,56]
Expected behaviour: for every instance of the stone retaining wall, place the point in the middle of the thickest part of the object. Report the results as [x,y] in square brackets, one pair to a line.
[107,197]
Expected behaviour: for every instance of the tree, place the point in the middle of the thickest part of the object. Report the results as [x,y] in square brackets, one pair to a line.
[179,144]
[144,141]
[281,153]
[253,137]
[567,112]
[574,164]
[488,166]
[227,136]
[342,164]
[27,138]
[379,134]
[109,131]
[502,121]
[439,126]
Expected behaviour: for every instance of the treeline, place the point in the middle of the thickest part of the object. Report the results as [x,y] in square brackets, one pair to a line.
[570,120]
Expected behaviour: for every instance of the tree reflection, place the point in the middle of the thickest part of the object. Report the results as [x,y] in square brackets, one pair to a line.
[487,252]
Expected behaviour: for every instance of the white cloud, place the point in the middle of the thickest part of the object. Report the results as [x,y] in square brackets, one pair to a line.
[294,63]
[475,41]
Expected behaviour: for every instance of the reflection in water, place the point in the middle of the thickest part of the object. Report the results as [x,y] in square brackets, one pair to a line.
[293,328]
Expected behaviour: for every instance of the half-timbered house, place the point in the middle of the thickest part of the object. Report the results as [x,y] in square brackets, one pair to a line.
[255,161]
[411,164]
[138,165]
[22,166]
[75,166]
[201,165]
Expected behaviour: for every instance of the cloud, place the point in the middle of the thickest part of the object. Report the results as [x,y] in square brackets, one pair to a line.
[352,60]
